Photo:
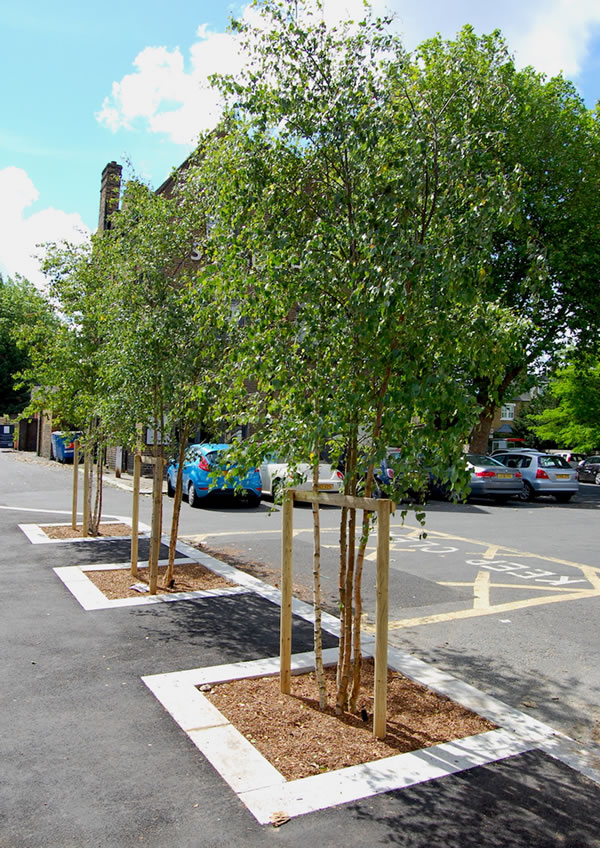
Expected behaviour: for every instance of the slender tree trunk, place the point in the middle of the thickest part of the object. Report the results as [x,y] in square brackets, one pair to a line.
[156,532]
[75,484]
[176,508]
[135,512]
[87,492]
[345,650]
[97,514]
[357,599]
[318,636]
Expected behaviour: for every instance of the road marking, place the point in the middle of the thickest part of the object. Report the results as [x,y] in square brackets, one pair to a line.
[497,608]
[562,589]
[481,590]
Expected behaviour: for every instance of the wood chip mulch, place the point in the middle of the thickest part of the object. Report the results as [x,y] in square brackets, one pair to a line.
[189,577]
[300,740]
[65,531]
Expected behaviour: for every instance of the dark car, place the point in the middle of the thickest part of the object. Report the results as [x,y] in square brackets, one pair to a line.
[589,470]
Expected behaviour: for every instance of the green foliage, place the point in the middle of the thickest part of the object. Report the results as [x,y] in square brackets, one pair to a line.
[573,421]
[354,196]
[21,307]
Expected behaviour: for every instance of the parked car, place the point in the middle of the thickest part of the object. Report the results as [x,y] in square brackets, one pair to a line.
[62,445]
[489,478]
[574,459]
[589,470]
[276,475]
[543,474]
[201,464]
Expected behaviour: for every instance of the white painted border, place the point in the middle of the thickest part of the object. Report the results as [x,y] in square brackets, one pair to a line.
[37,536]
[264,790]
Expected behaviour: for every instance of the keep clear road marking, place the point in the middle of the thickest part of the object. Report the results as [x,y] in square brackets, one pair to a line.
[482,584]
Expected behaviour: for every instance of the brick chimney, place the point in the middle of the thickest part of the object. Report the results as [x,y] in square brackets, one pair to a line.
[109,194]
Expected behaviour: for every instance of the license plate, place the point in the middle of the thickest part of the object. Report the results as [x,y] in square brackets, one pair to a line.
[325,485]
[563,476]
[504,476]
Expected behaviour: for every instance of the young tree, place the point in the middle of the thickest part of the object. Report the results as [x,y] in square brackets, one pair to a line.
[159,336]
[353,204]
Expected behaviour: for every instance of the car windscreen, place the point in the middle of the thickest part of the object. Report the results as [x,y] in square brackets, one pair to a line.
[482,459]
[553,462]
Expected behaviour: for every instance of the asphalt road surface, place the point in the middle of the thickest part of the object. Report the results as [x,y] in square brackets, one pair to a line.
[504,597]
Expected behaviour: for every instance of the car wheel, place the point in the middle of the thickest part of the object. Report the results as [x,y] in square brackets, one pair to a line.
[527,493]
[193,499]
[563,497]
[597,479]
[170,489]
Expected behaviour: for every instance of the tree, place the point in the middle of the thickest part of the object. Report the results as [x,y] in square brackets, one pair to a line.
[544,263]
[65,358]
[573,420]
[21,305]
[159,336]
[353,204]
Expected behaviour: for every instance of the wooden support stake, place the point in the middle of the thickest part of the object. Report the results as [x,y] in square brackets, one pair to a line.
[75,483]
[285,637]
[381,618]
[135,513]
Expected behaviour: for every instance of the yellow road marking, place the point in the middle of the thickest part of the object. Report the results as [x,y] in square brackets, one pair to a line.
[475,613]
[563,589]
[440,534]
[481,590]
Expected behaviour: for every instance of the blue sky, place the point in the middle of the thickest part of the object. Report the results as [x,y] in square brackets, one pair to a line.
[84,84]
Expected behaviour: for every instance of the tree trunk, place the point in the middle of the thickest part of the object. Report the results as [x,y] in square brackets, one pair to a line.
[135,512]
[318,637]
[481,432]
[87,492]
[75,483]
[347,590]
[176,508]
[97,514]
[156,524]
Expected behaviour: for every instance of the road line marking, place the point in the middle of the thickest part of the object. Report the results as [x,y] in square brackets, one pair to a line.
[515,551]
[481,590]
[515,586]
[497,608]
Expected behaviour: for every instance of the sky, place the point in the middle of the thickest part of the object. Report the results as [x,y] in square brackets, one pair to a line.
[84,84]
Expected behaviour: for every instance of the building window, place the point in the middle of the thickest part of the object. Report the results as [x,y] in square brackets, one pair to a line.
[508,412]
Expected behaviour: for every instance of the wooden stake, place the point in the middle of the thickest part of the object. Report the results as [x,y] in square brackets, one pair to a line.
[135,512]
[381,618]
[285,637]
[75,483]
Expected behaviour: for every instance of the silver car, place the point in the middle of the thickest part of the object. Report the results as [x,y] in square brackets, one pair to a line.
[491,479]
[543,474]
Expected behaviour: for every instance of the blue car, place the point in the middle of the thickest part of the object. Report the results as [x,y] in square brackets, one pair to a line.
[200,464]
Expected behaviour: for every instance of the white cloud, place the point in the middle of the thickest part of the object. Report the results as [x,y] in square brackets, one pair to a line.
[167,98]
[20,234]
[168,92]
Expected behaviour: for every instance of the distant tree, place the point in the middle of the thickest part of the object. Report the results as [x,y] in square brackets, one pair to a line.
[21,305]
[573,421]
